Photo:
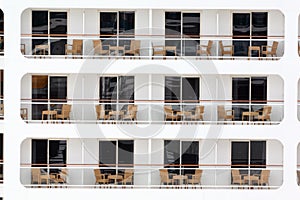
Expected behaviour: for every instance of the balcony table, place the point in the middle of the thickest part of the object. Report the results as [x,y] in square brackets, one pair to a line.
[250,179]
[253,48]
[115,178]
[249,114]
[180,179]
[42,48]
[115,50]
[116,114]
[51,114]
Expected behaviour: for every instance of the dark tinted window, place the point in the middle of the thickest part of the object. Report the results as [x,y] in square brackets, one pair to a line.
[126,87]
[172,88]
[190,88]
[108,88]
[39,22]
[108,24]
[125,153]
[58,152]
[126,22]
[58,88]
[239,154]
[39,152]
[172,23]
[172,152]
[191,24]
[107,152]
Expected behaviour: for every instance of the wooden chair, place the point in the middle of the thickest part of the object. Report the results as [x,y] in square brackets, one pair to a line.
[65,112]
[131,113]
[164,177]
[102,114]
[225,114]
[158,50]
[75,48]
[196,178]
[270,50]
[135,46]
[197,115]
[265,113]
[24,113]
[236,177]
[1,111]
[204,49]
[226,50]
[22,48]
[100,178]
[169,114]
[61,177]
[39,178]
[98,48]
[264,178]
[128,177]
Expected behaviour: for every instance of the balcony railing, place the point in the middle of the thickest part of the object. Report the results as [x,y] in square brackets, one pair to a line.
[152,111]
[216,176]
[95,46]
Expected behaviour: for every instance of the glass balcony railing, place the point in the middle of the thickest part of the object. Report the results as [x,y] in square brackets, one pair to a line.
[205,47]
[152,111]
[155,176]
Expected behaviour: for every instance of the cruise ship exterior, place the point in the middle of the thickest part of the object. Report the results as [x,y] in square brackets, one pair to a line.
[149,99]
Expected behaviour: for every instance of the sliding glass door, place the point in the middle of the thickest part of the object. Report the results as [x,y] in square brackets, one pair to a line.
[49,155]
[48,93]
[117,25]
[116,156]
[116,91]
[46,26]
[249,29]
[246,90]
[182,30]
[179,156]
[249,155]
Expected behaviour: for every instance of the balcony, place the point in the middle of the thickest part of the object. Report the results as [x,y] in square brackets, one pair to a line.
[216,35]
[205,99]
[122,166]
[153,112]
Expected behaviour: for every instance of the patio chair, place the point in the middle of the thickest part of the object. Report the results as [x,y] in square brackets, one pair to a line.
[1,111]
[196,178]
[164,177]
[265,113]
[65,112]
[61,177]
[75,48]
[298,177]
[37,177]
[270,50]
[197,115]
[264,178]
[128,177]
[170,114]
[225,114]
[98,48]
[100,178]
[102,114]
[204,49]
[131,113]
[134,48]
[226,50]
[236,177]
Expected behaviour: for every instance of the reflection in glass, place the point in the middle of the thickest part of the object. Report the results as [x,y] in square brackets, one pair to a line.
[189,156]
[107,156]
[241,30]
[172,155]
